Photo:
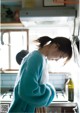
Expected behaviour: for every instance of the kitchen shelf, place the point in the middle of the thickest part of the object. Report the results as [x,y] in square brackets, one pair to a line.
[12,26]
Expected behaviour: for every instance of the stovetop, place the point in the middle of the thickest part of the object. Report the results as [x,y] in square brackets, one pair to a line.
[7,96]
[59,97]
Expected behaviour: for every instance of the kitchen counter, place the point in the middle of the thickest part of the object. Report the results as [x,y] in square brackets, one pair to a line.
[63,107]
[64,104]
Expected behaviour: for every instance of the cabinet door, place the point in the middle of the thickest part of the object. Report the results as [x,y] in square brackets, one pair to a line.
[67,110]
[53,109]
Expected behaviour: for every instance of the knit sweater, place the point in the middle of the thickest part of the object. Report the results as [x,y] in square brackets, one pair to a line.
[29,93]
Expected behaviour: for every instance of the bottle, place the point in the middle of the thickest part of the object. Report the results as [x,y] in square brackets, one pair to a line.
[70,90]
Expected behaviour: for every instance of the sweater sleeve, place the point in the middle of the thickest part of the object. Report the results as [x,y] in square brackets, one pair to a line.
[29,89]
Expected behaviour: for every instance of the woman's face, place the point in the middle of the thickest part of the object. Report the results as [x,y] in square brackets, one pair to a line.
[54,53]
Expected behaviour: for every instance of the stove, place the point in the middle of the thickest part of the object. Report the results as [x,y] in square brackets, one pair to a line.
[6,97]
[57,80]
[60,96]
[5,101]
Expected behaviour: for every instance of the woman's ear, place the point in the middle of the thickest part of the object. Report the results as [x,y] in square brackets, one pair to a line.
[56,46]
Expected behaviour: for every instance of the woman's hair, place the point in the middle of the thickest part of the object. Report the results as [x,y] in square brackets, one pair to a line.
[43,41]
[20,55]
[63,43]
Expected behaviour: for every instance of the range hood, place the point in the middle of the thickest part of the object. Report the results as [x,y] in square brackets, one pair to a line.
[47,16]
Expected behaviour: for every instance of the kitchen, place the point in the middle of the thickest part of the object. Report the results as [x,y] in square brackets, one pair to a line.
[9,71]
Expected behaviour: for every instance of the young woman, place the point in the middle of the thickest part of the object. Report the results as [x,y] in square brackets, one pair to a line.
[19,57]
[31,90]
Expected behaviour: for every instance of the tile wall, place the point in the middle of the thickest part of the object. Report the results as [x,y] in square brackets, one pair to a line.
[8,80]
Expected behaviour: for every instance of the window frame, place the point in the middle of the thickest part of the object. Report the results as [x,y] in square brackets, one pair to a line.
[9,54]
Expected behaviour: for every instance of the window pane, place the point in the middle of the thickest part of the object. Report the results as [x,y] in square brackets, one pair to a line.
[11,42]
[18,42]
[4,52]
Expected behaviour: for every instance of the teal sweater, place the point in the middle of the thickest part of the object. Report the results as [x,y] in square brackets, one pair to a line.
[28,92]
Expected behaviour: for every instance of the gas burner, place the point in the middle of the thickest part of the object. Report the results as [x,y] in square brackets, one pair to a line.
[6,96]
[60,96]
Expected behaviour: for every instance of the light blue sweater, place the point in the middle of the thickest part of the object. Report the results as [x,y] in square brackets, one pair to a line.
[28,92]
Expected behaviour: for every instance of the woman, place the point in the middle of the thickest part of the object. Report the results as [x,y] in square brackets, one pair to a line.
[31,90]
[19,57]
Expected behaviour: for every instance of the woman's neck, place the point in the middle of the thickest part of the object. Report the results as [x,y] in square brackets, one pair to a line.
[44,50]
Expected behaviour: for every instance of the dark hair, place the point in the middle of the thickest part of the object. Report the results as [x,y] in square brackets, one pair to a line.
[43,41]
[64,44]
[20,55]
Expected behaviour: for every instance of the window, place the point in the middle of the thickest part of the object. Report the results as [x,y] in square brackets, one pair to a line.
[12,41]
